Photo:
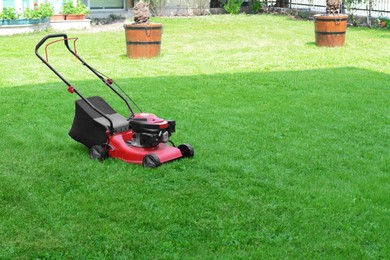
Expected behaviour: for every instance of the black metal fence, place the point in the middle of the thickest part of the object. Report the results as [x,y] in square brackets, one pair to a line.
[372,8]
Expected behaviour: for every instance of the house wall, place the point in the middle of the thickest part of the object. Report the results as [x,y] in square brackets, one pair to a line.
[57,5]
[167,8]
[184,7]
[21,5]
[98,8]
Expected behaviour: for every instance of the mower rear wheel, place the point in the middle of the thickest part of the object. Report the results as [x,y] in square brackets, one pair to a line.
[186,150]
[98,152]
[151,161]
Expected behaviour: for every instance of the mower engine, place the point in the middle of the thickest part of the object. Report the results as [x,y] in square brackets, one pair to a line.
[149,130]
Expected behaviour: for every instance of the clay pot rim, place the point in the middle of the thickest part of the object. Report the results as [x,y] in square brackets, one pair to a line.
[330,16]
[142,24]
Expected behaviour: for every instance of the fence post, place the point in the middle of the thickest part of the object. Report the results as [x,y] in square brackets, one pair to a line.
[369,12]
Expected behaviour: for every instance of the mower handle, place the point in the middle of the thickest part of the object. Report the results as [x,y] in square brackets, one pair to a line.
[41,42]
[44,39]
[105,81]
[71,89]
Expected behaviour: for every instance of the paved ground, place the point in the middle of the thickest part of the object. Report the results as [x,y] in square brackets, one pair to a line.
[117,26]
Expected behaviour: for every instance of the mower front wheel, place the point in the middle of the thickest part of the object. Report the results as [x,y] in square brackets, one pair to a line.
[151,161]
[98,152]
[186,150]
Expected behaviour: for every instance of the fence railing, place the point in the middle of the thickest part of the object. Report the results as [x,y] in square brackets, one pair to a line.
[369,8]
[377,8]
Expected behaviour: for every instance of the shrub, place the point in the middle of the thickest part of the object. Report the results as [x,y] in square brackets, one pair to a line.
[256,6]
[304,15]
[233,6]
[384,23]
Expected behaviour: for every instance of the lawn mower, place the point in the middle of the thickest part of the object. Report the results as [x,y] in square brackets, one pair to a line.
[140,138]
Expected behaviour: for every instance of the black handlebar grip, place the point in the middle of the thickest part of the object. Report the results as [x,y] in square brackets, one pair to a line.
[48,37]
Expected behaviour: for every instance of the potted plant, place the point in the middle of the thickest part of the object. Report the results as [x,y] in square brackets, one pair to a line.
[330,28]
[9,16]
[35,16]
[57,17]
[72,12]
[45,11]
[67,7]
[39,14]
[143,38]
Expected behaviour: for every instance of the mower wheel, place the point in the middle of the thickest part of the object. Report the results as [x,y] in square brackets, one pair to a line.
[151,161]
[98,152]
[186,150]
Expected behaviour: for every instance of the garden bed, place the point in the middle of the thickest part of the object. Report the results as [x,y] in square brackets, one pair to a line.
[19,26]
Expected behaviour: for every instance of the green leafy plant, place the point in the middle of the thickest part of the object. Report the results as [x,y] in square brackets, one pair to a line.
[81,8]
[352,7]
[233,6]
[31,14]
[256,6]
[68,7]
[382,22]
[303,15]
[43,11]
[9,13]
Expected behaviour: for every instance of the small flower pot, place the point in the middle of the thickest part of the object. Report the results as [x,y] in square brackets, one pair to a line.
[57,17]
[143,40]
[75,17]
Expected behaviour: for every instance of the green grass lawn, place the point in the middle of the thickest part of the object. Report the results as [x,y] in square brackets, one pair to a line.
[291,146]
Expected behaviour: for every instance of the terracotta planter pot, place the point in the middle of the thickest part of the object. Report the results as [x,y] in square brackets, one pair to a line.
[143,40]
[57,17]
[75,17]
[330,30]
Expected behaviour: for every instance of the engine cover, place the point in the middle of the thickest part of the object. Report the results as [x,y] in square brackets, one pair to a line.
[149,130]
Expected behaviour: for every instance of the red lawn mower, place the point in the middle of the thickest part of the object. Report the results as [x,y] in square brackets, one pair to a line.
[141,138]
